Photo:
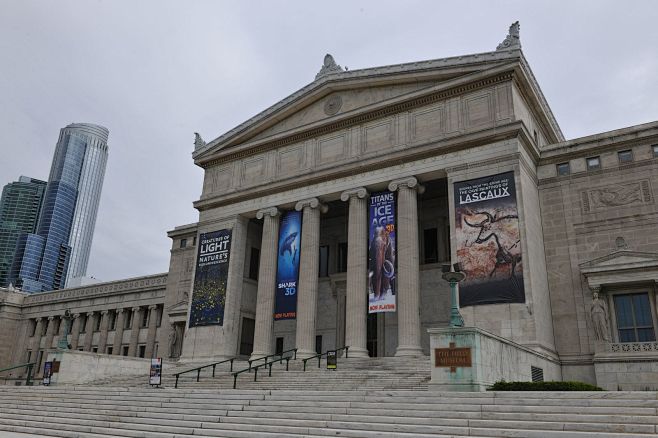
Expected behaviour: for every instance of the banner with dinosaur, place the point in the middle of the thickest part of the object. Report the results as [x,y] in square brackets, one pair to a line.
[287,272]
[381,253]
[210,280]
[488,240]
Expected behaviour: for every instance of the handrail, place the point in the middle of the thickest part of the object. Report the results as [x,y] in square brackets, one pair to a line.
[198,369]
[29,366]
[319,355]
[256,367]
[294,351]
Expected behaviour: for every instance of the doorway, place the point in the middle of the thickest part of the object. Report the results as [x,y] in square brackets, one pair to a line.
[371,336]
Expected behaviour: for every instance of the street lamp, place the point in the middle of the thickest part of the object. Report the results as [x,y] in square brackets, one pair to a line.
[454,277]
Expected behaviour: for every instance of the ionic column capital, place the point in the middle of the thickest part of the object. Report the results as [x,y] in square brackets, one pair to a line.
[270,211]
[359,192]
[50,318]
[117,311]
[90,314]
[76,315]
[104,312]
[311,203]
[136,309]
[38,319]
[409,182]
[153,306]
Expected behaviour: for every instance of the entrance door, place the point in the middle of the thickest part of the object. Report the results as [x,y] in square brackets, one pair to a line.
[247,338]
[371,336]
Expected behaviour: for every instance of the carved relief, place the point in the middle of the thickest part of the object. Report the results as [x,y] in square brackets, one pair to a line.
[618,195]
[331,149]
[599,315]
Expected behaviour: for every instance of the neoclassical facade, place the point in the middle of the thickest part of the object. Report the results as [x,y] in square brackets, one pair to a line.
[557,238]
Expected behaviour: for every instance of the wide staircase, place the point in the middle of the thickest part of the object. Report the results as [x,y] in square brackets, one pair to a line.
[75,411]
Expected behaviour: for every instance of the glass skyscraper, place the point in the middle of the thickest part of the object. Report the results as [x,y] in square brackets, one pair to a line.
[59,249]
[19,211]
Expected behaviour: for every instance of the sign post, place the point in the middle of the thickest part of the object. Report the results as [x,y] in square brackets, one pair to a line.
[155,376]
[331,360]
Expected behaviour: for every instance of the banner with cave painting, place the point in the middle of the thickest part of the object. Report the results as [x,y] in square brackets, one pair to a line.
[488,240]
[287,269]
[210,280]
[381,253]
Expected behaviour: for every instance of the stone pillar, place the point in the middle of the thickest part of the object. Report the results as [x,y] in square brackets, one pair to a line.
[408,285]
[356,309]
[153,325]
[75,331]
[263,333]
[307,292]
[50,333]
[89,331]
[118,332]
[102,340]
[134,332]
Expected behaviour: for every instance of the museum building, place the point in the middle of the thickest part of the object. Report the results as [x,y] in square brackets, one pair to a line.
[327,220]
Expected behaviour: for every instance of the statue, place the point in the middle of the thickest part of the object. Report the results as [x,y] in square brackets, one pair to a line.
[63,343]
[512,40]
[173,342]
[329,66]
[198,141]
[599,314]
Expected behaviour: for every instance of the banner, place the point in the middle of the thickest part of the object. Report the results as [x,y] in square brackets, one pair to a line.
[287,271]
[488,241]
[381,253]
[155,376]
[47,373]
[210,279]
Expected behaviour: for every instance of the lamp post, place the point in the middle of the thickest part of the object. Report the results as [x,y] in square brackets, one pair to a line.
[454,277]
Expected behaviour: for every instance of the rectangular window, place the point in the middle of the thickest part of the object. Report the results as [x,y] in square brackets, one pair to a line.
[634,319]
[124,352]
[342,257]
[254,261]
[142,350]
[563,169]
[194,241]
[110,349]
[625,156]
[431,245]
[94,350]
[593,163]
[655,150]
[183,243]
[324,261]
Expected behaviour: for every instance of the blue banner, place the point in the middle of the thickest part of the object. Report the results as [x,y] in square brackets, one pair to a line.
[381,253]
[210,280]
[287,272]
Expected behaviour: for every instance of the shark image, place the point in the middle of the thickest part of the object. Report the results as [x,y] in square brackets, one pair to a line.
[287,245]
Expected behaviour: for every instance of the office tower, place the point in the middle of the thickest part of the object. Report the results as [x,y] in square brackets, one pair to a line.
[60,247]
[19,212]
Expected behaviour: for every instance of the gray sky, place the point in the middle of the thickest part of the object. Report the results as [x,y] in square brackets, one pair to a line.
[154,72]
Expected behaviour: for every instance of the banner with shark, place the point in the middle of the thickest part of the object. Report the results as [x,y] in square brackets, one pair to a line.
[210,280]
[287,272]
[381,253]
[488,240]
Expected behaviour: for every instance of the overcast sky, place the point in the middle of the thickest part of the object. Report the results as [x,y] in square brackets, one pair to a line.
[154,72]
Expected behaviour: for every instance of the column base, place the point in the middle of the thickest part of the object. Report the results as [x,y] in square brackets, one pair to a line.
[409,351]
[258,354]
[358,352]
[305,354]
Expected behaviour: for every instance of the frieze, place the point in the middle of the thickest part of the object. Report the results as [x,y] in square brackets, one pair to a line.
[121,286]
[616,195]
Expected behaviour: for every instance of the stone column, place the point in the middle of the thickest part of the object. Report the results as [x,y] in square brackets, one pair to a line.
[408,284]
[102,340]
[50,333]
[75,331]
[118,332]
[153,325]
[134,332]
[307,292]
[89,331]
[263,333]
[356,309]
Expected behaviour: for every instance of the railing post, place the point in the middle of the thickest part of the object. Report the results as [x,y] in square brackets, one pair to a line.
[213,370]
[304,364]
[249,365]
[255,373]
[176,385]
[231,365]
[295,354]
[287,362]
[235,380]
[347,351]
[270,375]
[319,360]
[198,374]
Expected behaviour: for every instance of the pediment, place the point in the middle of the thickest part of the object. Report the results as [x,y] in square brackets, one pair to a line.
[338,96]
[620,260]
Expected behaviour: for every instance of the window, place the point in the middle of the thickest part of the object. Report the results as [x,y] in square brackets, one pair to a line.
[431,245]
[324,261]
[318,344]
[655,150]
[125,350]
[342,257]
[625,156]
[145,318]
[183,243]
[142,350]
[563,169]
[634,319]
[593,163]
[94,350]
[254,260]
[194,241]
[110,349]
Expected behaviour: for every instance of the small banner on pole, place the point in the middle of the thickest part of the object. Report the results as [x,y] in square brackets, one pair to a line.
[47,373]
[155,376]
[331,360]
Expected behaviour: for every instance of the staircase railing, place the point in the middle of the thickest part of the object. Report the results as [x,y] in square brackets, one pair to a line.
[266,364]
[320,355]
[28,378]
[280,355]
[198,370]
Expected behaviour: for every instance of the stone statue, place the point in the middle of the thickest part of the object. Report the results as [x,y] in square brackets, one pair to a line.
[599,313]
[512,40]
[63,343]
[329,66]
[173,342]
[198,141]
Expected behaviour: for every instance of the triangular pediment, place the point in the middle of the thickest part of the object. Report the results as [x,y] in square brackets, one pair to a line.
[341,95]
[619,260]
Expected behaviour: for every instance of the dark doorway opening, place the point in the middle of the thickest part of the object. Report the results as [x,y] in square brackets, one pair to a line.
[371,336]
[247,338]
[279,346]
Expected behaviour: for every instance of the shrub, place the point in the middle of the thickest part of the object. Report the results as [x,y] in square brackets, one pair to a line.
[543,386]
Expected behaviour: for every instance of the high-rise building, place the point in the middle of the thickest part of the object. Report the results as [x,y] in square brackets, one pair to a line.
[60,247]
[19,212]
